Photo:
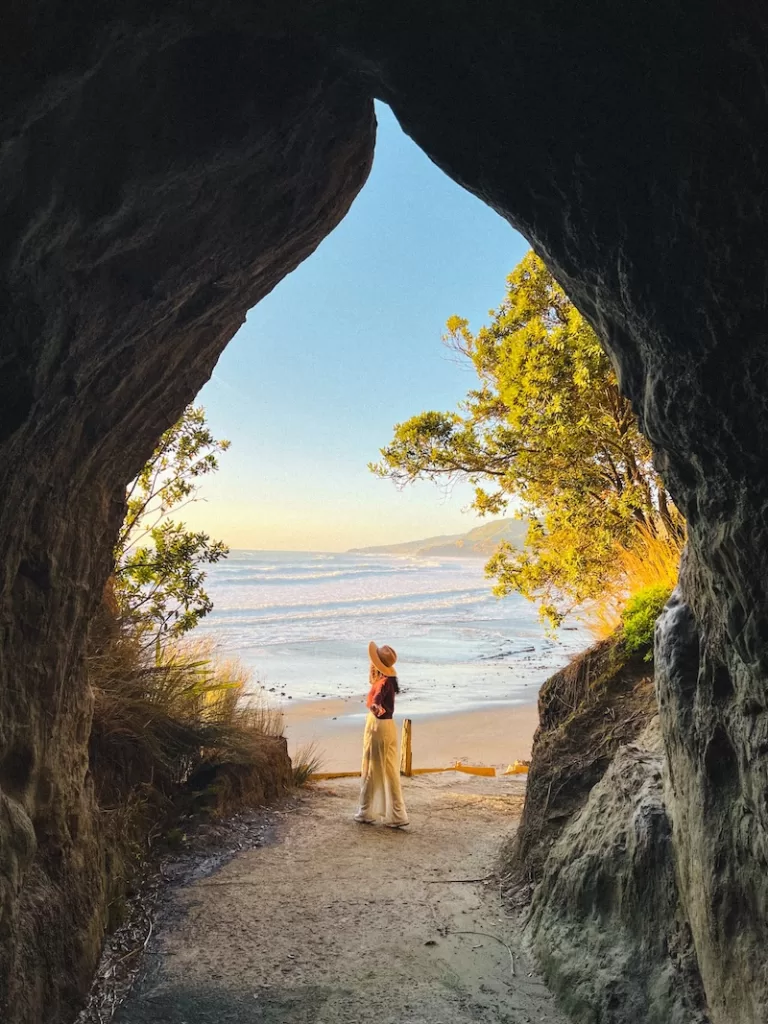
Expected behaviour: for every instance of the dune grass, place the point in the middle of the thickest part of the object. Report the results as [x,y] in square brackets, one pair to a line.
[306,762]
[645,576]
[159,717]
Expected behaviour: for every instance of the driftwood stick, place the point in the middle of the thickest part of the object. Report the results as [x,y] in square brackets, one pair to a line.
[496,938]
[457,881]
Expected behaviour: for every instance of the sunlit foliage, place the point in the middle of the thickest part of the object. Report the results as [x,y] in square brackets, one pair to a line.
[548,430]
[159,564]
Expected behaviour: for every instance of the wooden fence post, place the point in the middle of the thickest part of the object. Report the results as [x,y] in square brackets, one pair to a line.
[406,754]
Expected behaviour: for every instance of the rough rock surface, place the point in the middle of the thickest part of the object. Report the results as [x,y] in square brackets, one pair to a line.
[715,721]
[605,922]
[161,170]
[599,702]
[153,188]
[628,143]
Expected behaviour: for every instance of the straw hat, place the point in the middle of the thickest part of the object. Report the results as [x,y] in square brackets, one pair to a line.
[382,658]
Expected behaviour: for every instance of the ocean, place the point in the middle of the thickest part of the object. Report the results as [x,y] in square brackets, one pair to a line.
[302,621]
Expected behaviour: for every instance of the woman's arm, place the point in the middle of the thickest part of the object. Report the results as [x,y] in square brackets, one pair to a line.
[384,701]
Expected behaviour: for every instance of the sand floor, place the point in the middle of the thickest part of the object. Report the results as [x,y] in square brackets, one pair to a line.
[340,923]
[496,736]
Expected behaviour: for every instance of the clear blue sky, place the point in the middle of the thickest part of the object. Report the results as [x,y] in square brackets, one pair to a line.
[344,348]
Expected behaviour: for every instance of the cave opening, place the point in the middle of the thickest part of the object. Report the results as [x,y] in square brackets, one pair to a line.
[347,345]
[143,215]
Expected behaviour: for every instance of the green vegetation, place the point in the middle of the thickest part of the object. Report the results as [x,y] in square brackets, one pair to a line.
[651,563]
[175,730]
[173,739]
[548,430]
[158,577]
[168,719]
[639,618]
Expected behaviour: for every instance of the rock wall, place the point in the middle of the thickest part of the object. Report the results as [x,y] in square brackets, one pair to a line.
[154,186]
[599,702]
[715,721]
[594,851]
[161,171]
[628,144]
[606,923]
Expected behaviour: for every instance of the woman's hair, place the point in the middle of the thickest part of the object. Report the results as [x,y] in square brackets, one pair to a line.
[374,671]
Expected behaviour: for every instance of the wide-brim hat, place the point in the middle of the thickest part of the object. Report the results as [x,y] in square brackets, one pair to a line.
[382,658]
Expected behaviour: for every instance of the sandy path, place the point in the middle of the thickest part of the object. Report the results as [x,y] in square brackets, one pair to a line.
[340,923]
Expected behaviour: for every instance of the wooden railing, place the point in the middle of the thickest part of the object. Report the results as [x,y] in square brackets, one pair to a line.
[407,769]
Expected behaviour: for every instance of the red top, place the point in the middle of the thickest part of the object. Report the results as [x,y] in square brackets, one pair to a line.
[382,693]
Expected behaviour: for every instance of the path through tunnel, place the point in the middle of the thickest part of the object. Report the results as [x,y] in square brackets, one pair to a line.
[161,172]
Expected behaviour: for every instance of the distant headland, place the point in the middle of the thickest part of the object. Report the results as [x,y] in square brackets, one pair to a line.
[479,543]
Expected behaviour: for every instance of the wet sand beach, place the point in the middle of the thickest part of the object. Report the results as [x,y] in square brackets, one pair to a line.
[488,735]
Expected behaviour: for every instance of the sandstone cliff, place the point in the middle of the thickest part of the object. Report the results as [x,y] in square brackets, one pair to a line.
[606,923]
[594,850]
[600,701]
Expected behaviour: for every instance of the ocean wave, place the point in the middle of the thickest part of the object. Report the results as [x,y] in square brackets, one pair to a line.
[265,575]
[344,609]
[303,620]
[338,603]
[268,600]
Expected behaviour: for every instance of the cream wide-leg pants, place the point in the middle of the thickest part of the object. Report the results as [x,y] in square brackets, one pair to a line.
[380,792]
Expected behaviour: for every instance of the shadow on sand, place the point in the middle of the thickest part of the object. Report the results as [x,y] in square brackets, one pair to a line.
[213,1004]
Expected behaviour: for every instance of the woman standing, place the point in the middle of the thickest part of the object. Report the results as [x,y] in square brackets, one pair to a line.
[380,792]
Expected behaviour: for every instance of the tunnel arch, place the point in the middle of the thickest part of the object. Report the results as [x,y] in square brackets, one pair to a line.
[162,171]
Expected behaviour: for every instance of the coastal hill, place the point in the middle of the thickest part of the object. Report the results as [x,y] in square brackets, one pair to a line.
[480,542]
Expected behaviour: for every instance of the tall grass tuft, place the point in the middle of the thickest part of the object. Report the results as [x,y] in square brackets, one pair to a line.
[651,565]
[307,761]
[161,716]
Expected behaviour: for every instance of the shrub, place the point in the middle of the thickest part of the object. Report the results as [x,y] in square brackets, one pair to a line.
[639,618]
[652,562]
[158,574]
[306,762]
[160,717]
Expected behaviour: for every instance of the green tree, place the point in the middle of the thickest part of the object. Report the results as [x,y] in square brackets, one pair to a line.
[159,576]
[548,429]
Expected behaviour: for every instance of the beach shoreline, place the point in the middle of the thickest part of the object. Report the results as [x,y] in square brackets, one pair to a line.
[484,735]
[301,624]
